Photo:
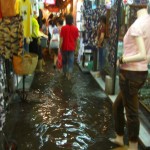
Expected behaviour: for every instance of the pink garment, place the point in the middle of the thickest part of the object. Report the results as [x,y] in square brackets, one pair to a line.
[141,27]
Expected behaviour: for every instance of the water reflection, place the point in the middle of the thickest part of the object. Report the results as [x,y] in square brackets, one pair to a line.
[62,114]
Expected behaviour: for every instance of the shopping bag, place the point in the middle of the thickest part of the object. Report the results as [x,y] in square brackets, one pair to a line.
[59,61]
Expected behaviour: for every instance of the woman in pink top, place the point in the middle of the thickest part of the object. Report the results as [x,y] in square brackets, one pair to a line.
[133,74]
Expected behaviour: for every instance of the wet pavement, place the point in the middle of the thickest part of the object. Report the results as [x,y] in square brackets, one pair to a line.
[61,114]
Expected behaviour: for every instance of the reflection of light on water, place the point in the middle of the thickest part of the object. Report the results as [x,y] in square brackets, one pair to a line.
[61,142]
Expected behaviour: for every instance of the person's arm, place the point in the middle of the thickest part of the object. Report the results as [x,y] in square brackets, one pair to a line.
[141,55]
[60,43]
[100,40]
[76,42]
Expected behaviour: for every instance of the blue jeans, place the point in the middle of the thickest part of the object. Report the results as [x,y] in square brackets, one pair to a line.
[130,82]
[26,46]
[68,61]
[101,58]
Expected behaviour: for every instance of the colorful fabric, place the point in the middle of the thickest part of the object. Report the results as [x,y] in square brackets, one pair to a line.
[69,33]
[0,11]
[25,9]
[11,36]
[140,28]
[2,87]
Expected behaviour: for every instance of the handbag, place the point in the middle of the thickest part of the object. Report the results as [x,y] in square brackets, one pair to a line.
[26,64]
[59,61]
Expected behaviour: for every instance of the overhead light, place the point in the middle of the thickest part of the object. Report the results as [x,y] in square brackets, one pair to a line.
[63,0]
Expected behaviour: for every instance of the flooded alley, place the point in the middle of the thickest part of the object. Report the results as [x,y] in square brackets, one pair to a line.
[61,114]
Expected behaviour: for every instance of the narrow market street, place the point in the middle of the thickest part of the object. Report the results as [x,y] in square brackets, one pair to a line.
[61,114]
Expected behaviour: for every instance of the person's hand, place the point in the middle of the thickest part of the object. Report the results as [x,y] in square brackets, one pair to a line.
[39,41]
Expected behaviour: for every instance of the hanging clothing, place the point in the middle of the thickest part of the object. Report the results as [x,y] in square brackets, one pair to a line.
[2,87]
[11,36]
[35,7]
[9,8]
[0,11]
[25,8]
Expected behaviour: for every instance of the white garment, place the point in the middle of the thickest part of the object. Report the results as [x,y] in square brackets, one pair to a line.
[35,6]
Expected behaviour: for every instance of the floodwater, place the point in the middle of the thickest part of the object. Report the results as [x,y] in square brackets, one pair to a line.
[61,114]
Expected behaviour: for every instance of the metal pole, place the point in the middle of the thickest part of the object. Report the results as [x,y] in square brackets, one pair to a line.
[23,98]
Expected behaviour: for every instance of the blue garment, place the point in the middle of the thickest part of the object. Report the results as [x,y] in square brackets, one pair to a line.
[68,61]
[26,46]
[101,58]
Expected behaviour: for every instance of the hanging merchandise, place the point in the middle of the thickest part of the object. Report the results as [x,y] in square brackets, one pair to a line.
[25,10]
[9,8]
[130,2]
[26,64]
[108,4]
[35,7]
[2,87]
[0,12]
[124,2]
[11,36]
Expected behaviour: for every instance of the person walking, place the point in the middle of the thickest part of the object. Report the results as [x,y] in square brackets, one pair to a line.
[132,76]
[54,42]
[34,45]
[68,42]
[101,37]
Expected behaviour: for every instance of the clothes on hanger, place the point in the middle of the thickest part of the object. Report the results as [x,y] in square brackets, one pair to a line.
[25,10]
[2,87]
[0,11]
[35,7]
[9,8]
[11,36]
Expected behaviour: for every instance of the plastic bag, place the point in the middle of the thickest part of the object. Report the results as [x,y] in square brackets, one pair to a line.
[59,61]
